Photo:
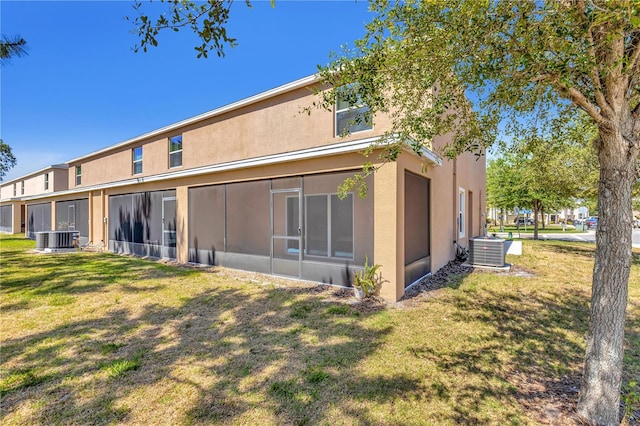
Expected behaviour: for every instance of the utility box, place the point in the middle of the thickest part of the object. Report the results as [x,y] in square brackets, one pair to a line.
[56,240]
[487,251]
[42,240]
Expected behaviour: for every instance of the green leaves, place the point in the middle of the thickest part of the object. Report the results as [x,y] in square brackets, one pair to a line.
[7,159]
[207,20]
[438,67]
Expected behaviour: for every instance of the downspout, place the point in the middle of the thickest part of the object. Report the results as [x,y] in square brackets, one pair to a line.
[455,201]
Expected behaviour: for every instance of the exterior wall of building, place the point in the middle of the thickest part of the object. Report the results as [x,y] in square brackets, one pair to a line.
[34,184]
[59,180]
[6,191]
[272,126]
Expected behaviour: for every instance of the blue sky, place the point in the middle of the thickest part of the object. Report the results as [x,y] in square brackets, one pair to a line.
[82,88]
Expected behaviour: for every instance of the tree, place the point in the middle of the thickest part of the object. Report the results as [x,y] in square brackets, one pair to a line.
[543,173]
[523,63]
[12,47]
[7,160]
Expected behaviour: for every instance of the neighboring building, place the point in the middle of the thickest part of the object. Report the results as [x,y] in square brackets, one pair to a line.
[13,215]
[253,186]
[578,213]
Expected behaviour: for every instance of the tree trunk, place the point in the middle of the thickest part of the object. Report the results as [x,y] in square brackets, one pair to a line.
[536,209]
[599,399]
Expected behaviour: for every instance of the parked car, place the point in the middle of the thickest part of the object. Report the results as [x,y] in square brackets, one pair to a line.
[523,221]
[592,222]
[636,223]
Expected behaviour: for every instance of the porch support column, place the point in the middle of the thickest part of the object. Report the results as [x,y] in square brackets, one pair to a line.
[388,231]
[182,224]
[54,221]
[16,217]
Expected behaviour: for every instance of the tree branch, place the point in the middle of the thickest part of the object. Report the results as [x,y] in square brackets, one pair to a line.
[576,96]
[594,75]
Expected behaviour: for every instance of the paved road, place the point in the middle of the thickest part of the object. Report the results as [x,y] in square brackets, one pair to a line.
[589,236]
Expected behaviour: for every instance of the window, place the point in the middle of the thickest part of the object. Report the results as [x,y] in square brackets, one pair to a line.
[175,151]
[46,181]
[22,188]
[137,160]
[15,190]
[351,114]
[461,197]
[78,175]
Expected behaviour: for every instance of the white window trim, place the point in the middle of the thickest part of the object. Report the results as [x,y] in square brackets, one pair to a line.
[176,151]
[349,108]
[462,196]
[46,181]
[134,162]
[78,175]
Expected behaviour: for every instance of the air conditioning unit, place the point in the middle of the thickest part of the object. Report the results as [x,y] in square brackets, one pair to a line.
[55,240]
[42,240]
[487,251]
[61,239]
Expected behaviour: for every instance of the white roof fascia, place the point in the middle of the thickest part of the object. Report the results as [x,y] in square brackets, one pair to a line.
[304,154]
[213,113]
[424,152]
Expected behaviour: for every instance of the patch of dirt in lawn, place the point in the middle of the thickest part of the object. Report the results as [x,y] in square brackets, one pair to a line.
[549,401]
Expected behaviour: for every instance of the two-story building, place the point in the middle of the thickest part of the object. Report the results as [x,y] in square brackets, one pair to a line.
[13,217]
[253,185]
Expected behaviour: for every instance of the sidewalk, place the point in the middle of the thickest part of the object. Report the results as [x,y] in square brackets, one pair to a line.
[587,236]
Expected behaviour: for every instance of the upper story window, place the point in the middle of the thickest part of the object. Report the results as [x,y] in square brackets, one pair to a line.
[46,181]
[15,189]
[352,114]
[137,160]
[175,151]
[78,175]
[22,188]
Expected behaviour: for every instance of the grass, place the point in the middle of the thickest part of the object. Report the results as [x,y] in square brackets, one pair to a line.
[94,338]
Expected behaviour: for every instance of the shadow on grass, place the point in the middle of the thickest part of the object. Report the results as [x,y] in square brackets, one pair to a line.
[583,249]
[31,274]
[293,358]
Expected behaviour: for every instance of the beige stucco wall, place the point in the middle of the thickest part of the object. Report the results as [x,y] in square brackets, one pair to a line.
[59,180]
[6,191]
[272,126]
[34,184]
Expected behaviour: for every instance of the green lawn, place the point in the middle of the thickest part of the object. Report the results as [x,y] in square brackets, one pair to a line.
[94,338]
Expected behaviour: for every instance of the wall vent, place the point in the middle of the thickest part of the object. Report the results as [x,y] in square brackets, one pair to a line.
[486,251]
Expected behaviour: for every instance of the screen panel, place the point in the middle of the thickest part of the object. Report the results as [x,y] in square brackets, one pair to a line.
[248,215]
